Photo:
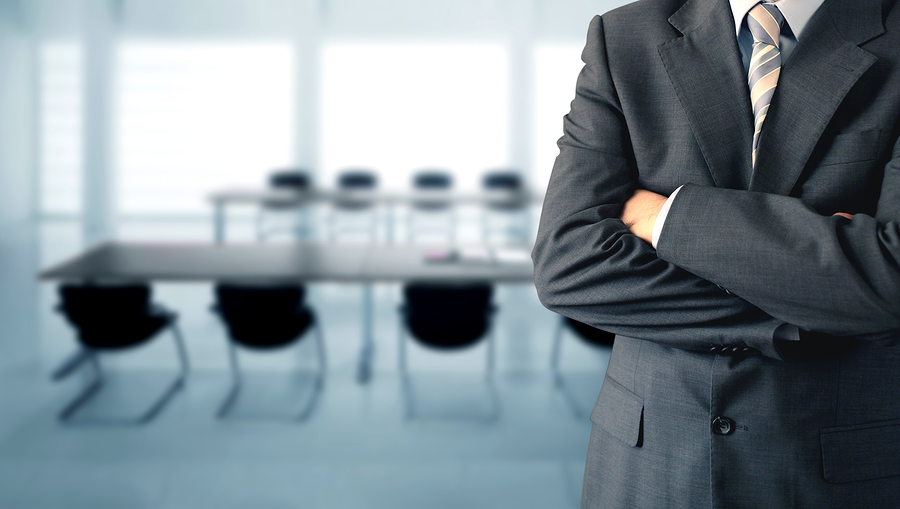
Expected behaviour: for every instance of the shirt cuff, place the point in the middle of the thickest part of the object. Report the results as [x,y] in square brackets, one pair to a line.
[661,218]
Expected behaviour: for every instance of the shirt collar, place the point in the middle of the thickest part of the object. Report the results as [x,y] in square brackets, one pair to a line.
[797,13]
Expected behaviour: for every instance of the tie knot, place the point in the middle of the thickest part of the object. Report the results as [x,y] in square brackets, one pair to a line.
[764,21]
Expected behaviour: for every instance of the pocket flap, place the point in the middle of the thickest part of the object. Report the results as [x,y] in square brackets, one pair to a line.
[862,452]
[619,412]
[852,148]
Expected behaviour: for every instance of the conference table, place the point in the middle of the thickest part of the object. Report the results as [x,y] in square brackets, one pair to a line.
[304,262]
[284,198]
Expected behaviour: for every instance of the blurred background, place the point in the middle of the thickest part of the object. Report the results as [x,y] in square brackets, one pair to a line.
[119,119]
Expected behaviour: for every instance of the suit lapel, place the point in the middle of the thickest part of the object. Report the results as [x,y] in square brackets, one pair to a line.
[705,69]
[814,80]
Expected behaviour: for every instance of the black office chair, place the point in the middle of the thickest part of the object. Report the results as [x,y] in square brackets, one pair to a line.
[276,212]
[509,217]
[425,212]
[447,317]
[354,205]
[590,335]
[266,317]
[112,318]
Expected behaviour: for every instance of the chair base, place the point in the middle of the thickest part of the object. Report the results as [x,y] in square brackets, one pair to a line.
[578,411]
[70,412]
[226,409]
[409,402]
[411,411]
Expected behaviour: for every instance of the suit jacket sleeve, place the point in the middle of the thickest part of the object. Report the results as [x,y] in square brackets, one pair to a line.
[822,273]
[588,266]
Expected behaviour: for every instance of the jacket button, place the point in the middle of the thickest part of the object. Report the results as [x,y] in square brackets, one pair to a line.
[723,426]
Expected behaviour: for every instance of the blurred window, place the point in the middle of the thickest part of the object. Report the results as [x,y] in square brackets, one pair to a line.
[193,117]
[556,69]
[60,97]
[400,107]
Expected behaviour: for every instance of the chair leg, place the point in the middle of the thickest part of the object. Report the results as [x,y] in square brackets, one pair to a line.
[182,351]
[71,364]
[490,354]
[237,381]
[405,381]
[232,395]
[320,348]
[67,414]
[494,411]
[174,386]
[320,377]
[557,374]
[557,349]
[89,391]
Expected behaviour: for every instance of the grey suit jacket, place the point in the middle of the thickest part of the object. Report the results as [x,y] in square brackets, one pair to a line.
[662,102]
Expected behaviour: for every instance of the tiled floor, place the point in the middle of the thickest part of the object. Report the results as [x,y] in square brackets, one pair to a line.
[355,451]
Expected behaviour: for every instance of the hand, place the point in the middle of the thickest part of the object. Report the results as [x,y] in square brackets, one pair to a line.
[844,214]
[640,213]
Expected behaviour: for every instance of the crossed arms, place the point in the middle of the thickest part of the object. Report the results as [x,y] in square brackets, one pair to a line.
[731,266]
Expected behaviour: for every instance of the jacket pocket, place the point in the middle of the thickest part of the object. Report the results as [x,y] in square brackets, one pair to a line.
[619,412]
[852,148]
[861,452]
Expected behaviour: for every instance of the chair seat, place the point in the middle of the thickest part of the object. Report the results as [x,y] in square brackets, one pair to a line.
[447,316]
[263,316]
[441,333]
[122,332]
[258,332]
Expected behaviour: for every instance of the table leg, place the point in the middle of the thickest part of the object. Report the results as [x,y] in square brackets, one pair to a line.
[367,350]
[219,222]
[391,217]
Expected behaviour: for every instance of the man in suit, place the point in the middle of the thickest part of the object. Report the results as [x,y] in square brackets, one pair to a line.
[757,310]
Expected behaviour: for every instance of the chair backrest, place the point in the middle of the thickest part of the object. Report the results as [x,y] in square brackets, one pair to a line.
[447,315]
[505,181]
[590,334]
[296,180]
[432,180]
[86,305]
[357,179]
[502,180]
[109,316]
[262,316]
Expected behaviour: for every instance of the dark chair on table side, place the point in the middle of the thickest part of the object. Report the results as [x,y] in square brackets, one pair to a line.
[514,211]
[294,180]
[264,318]
[352,207]
[113,318]
[447,317]
[422,210]
[590,335]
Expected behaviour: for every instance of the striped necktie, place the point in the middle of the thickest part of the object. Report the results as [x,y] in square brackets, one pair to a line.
[764,22]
